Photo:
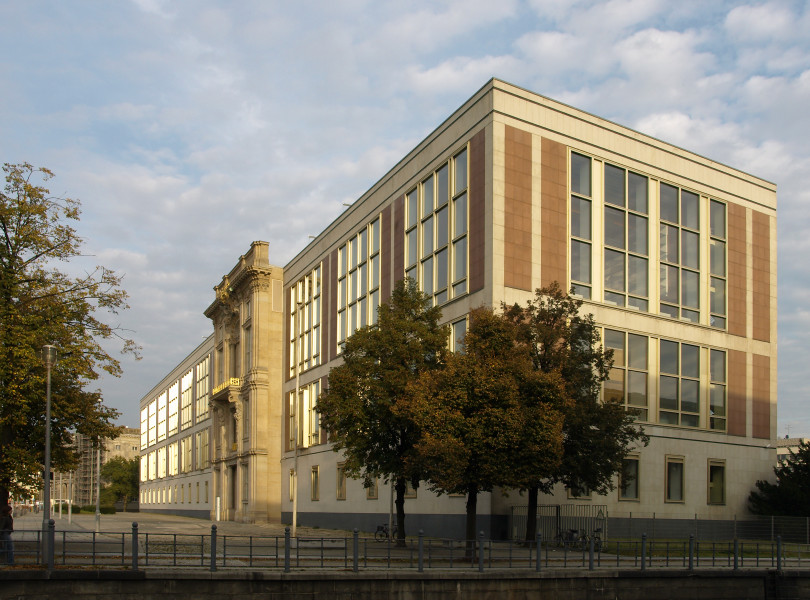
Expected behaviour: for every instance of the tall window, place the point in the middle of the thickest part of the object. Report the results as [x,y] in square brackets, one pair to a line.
[153,422]
[717,390]
[679,238]
[203,385]
[436,231]
[674,483]
[717,482]
[627,381]
[203,456]
[161,417]
[144,467]
[172,459]
[628,482]
[173,410]
[340,493]
[679,384]
[144,427]
[305,321]
[581,235]
[717,264]
[185,400]
[185,455]
[314,484]
[161,462]
[626,238]
[372,491]
[358,281]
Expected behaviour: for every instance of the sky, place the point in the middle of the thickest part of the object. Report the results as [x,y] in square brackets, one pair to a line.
[190,128]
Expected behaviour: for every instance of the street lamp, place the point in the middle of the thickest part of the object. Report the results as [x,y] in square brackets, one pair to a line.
[296,433]
[49,358]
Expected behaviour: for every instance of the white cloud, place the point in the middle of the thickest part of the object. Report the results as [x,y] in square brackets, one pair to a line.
[751,24]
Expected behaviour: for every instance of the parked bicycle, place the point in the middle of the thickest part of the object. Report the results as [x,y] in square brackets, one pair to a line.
[382,534]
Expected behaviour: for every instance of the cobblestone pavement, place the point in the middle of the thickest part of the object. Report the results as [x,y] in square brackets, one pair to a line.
[160,523]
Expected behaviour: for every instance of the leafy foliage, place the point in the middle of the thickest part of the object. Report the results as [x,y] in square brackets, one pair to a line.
[379,361]
[121,478]
[488,418]
[790,494]
[40,304]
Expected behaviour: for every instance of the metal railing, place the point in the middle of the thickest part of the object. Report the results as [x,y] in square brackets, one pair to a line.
[139,550]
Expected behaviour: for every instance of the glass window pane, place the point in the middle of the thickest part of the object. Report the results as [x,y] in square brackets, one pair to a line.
[342,268]
[668,393]
[614,340]
[690,289]
[717,219]
[460,217]
[637,234]
[427,276]
[352,286]
[669,284]
[669,357]
[614,270]
[580,218]
[461,171]
[580,174]
[342,293]
[668,418]
[614,386]
[675,481]
[718,366]
[427,196]
[637,192]
[669,203]
[427,236]
[614,185]
[639,303]
[374,304]
[668,242]
[689,395]
[629,479]
[362,283]
[717,257]
[637,351]
[718,296]
[690,361]
[442,189]
[689,250]
[441,269]
[717,484]
[614,227]
[689,210]
[717,400]
[375,236]
[413,209]
[441,227]
[375,272]
[637,275]
[460,259]
[413,247]
[459,331]
[614,298]
[580,261]
[362,246]
[636,388]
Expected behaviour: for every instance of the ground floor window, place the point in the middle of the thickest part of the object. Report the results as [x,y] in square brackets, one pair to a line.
[717,482]
[315,485]
[674,483]
[628,482]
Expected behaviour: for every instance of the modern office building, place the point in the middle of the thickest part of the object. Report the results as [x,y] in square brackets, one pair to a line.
[674,254]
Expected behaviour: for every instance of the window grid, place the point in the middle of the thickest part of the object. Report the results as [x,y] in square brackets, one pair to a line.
[679,245]
[627,382]
[358,281]
[202,388]
[581,234]
[717,264]
[185,399]
[436,246]
[717,390]
[314,484]
[716,484]
[340,492]
[679,384]
[626,253]
[674,479]
[305,322]
[629,479]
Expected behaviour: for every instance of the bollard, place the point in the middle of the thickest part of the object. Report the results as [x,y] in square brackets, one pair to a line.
[51,527]
[643,551]
[481,552]
[213,547]
[286,549]
[778,552]
[691,551]
[539,551]
[736,554]
[590,554]
[134,546]
[355,550]
[421,550]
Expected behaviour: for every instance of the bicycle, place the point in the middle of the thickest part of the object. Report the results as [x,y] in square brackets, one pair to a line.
[382,534]
[596,536]
[566,537]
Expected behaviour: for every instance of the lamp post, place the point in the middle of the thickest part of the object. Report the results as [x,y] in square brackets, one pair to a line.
[49,358]
[295,412]
[98,487]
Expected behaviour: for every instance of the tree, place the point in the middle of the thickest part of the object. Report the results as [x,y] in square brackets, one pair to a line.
[488,418]
[597,435]
[40,304]
[790,495]
[121,476]
[379,361]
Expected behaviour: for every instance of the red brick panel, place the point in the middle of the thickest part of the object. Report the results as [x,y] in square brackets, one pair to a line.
[761,393]
[736,409]
[517,260]
[737,265]
[553,213]
[477,210]
[761,264]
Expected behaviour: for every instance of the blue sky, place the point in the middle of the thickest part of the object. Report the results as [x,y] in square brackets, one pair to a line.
[190,128]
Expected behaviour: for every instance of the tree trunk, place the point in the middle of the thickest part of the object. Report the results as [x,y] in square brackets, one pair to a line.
[531,516]
[472,505]
[400,504]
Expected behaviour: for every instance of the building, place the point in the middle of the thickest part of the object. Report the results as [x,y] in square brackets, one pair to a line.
[674,254]
[787,447]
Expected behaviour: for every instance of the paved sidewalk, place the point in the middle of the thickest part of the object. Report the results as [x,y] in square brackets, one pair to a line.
[160,523]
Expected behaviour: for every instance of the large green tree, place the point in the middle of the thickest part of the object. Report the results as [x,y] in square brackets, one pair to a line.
[379,361]
[789,495]
[488,418]
[597,434]
[121,478]
[42,304]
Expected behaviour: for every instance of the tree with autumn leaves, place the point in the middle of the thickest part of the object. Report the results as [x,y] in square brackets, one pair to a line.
[42,304]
